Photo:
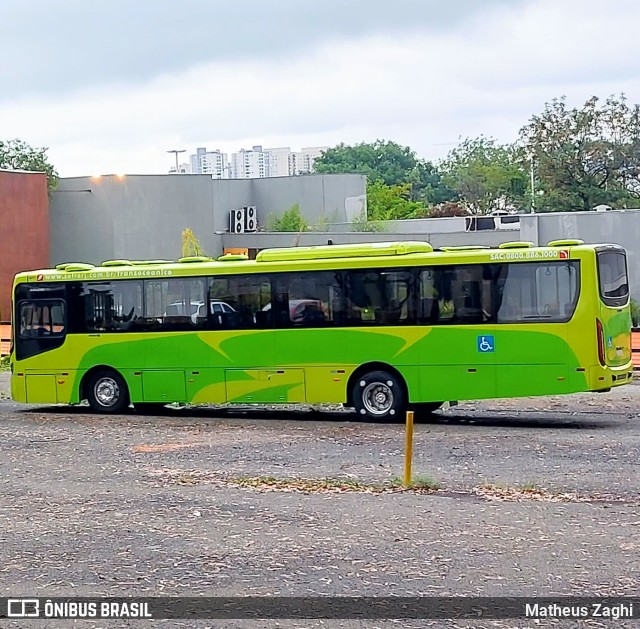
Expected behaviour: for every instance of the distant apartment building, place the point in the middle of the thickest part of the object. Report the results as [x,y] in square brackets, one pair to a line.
[279,160]
[212,163]
[250,164]
[255,163]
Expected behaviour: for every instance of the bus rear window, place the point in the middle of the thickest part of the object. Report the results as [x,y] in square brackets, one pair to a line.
[612,275]
[41,318]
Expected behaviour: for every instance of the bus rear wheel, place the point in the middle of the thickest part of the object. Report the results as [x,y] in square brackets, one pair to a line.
[107,392]
[379,396]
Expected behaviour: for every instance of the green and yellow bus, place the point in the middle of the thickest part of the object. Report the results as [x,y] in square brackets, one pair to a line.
[380,327]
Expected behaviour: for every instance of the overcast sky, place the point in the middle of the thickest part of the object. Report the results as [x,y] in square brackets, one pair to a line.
[110,85]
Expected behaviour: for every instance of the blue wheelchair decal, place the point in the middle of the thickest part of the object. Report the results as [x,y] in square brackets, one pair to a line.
[486,344]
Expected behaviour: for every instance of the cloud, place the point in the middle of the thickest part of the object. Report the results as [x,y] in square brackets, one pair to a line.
[56,46]
[422,86]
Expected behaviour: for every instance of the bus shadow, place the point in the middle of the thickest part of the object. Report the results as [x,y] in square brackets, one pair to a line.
[560,420]
[514,420]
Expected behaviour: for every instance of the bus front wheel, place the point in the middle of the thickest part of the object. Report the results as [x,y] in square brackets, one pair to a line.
[379,395]
[107,392]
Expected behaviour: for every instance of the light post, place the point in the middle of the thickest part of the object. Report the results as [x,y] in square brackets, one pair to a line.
[175,152]
[533,191]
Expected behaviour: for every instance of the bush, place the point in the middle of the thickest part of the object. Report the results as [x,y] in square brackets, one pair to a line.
[290,221]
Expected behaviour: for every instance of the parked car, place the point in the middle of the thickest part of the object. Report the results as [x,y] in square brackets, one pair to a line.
[198,309]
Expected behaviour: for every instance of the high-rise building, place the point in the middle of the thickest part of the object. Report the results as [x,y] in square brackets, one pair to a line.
[250,164]
[212,163]
[279,161]
[255,163]
[310,155]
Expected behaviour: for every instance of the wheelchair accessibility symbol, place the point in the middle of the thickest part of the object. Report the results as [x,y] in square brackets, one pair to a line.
[486,344]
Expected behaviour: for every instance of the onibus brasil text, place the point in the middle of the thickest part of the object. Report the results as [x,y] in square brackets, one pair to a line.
[38,608]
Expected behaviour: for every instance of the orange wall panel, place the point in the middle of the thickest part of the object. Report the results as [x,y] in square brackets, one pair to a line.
[24,229]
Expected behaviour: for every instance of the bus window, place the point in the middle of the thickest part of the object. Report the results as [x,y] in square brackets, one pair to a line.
[310,299]
[452,294]
[106,306]
[174,304]
[556,286]
[531,291]
[245,299]
[428,306]
[41,318]
[612,274]
[380,297]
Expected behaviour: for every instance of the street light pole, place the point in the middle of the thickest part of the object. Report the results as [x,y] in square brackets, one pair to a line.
[533,191]
[175,152]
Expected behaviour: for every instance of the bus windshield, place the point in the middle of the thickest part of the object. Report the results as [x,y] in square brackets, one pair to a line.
[612,274]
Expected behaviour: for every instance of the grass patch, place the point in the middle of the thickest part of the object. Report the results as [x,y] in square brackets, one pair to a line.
[305,485]
[419,483]
[528,491]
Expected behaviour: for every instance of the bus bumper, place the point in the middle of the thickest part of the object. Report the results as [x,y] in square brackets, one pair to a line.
[604,378]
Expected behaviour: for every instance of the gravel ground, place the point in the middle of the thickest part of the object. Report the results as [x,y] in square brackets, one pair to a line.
[536,497]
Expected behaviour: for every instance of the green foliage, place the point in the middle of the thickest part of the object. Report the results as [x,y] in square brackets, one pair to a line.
[585,156]
[485,175]
[386,203]
[190,244]
[290,221]
[386,161]
[322,224]
[4,363]
[363,224]
[18,155]
[422,482]
[389,163]
[428,186]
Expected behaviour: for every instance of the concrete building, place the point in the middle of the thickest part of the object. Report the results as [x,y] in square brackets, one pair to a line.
[143,216]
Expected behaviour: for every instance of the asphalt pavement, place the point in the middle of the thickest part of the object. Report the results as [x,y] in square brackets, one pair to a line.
[523,497]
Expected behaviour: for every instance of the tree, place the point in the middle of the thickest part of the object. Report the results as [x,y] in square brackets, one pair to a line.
[389,163]
[585,156]
[485,175]
[290,221]
[427,185]
[190,244]
[386,203]
[18,155]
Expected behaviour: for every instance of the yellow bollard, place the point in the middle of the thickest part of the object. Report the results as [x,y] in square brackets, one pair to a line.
[408,453]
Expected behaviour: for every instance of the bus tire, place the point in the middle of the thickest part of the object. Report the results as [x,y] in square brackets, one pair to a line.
[107,392]
[424,411]
[379,396]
